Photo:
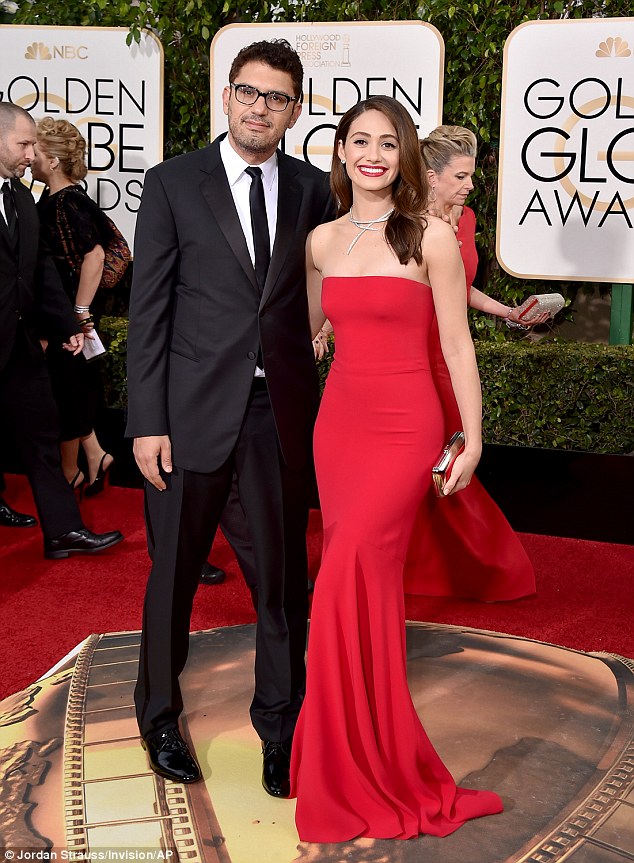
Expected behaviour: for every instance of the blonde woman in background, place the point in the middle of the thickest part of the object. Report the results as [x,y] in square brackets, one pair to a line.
[450,156]
[463,545]
[77,232]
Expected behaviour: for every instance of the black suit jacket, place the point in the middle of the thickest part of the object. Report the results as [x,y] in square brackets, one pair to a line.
[30,287]
[197,317]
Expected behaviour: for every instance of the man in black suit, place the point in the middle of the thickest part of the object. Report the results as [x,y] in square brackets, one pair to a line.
[222,379]
[30,291]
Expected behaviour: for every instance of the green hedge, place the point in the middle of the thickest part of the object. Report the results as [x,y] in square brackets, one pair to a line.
[555,395]
[558,395]
[114,334]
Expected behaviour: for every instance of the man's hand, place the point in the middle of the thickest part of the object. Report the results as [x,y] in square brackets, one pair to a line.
[75,344]
[437,214]
[150,452]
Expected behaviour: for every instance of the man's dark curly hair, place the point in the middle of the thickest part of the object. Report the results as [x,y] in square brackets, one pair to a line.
[277,53]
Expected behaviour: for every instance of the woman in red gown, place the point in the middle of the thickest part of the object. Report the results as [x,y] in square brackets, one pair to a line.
[463,545]
[361,762]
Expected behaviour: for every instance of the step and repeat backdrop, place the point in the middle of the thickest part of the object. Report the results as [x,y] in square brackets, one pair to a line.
[566,173]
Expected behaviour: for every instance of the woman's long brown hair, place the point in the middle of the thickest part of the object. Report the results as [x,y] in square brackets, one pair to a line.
[405,227]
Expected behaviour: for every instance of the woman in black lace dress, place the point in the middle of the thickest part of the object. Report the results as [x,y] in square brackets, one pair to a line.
[77,232]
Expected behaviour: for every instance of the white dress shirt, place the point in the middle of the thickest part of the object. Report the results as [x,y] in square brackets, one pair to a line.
[240,185]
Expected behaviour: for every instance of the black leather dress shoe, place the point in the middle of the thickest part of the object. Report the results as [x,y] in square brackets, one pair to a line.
[276,768]
[81,541]
[11,518]
[212,574]
[169,756]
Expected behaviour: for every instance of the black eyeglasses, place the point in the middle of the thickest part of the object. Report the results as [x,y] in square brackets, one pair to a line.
[274,101]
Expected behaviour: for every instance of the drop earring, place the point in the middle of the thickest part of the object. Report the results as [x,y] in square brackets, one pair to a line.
[432,196]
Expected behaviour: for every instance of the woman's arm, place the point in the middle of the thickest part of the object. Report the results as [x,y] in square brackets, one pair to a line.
[447,280]
[89,278]
[483,303]
[313,286]
[466,222]
[486,304]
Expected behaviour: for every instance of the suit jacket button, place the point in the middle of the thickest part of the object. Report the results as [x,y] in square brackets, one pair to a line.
[251,355]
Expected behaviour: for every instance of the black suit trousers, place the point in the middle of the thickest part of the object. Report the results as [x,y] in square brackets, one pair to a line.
[26,400]
[181,524]
[233,524]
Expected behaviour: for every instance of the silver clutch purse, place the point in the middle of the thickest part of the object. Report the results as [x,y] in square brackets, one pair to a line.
[538,303]
[442,469]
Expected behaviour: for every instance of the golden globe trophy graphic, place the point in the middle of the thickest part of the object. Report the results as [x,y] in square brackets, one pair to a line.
[551,729]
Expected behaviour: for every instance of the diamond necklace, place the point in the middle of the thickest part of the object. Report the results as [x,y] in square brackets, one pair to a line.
[366,226]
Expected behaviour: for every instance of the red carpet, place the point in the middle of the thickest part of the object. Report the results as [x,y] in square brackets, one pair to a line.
[584,600]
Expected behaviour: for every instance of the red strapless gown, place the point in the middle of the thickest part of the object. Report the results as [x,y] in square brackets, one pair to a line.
[362,764]
[463,545]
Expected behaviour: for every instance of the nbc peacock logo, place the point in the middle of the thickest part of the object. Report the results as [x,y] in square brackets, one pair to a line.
[613,48]
[37,51]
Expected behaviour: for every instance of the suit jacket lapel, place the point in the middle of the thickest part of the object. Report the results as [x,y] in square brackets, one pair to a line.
[4,232]
[27,229]
[216,191]
[28,226]
[289,199]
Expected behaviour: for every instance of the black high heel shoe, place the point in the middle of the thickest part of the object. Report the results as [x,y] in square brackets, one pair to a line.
[99,482]
[78,484]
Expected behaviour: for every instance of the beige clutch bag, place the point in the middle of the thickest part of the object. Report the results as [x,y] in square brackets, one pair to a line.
[441,471]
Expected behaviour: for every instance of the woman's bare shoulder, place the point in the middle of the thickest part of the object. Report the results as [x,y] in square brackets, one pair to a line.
[328,229]
[319,241]
[439,235]
[323,236]
[438,228]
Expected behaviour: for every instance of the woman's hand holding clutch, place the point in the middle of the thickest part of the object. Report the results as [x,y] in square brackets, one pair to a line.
[462,471]
[455,466]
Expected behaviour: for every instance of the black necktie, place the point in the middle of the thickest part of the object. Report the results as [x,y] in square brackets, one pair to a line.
[9,207]
[260,225]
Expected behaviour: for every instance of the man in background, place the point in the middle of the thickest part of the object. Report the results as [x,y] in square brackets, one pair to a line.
[30,290]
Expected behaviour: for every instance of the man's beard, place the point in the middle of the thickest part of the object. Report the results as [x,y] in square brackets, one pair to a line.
[249,142]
